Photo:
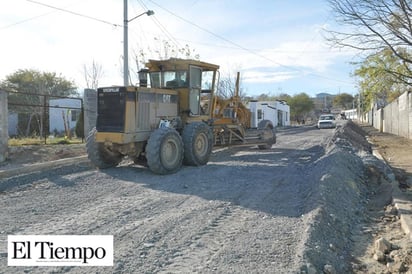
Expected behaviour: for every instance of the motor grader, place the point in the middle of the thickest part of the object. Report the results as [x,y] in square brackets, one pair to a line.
[172,118]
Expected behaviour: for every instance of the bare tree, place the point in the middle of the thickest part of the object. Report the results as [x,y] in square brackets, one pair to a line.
[163,49]
[373,25]
[226,87]
[93,74]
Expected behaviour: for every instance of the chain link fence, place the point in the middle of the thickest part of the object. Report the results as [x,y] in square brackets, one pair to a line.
[43,116]
[3,126]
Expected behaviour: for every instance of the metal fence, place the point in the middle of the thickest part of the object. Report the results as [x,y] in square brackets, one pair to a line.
[46,116]
[42,115]
[3,126]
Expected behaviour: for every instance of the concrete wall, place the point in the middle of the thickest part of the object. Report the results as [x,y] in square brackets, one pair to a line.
[351,114]
[410,115]
[395,118]
[387,116]
[4,128]
[90,110]
[378,119]
[403,120]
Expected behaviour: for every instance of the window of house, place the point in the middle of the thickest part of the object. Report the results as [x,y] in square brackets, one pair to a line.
[75,113]
[259,114]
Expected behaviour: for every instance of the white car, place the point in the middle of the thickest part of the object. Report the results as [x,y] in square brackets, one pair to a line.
[326,121]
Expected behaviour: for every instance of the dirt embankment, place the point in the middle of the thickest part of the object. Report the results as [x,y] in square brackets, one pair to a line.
[354,196]
[32,154]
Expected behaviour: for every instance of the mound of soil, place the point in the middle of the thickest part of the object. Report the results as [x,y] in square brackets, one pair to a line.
[350,191]
[32,154]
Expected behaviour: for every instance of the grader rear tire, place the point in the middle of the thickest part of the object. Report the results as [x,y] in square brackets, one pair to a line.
[198,141]
[164,151]
[269,134]
[99,155]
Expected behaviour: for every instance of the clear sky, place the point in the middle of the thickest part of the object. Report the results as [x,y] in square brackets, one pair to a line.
[277,45]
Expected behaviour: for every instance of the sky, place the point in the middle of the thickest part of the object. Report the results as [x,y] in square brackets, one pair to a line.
[277,46]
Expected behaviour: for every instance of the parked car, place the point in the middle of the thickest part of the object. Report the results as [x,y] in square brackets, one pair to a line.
[326,121]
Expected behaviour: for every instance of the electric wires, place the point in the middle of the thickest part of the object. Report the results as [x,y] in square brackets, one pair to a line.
[75,13]
[253,52]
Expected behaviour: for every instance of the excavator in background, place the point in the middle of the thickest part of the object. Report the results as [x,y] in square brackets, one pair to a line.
[175,120]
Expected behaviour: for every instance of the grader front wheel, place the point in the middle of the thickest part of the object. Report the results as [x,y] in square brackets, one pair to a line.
[100,156]
[198,142]
[268,132]
[164,151]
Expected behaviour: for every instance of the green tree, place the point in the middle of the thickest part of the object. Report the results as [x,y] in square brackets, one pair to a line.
[381,30]
[265,97]
[26,89]
[79,129]
[300,106]
[382,77]
[372,26]
[343,100]
[283,97]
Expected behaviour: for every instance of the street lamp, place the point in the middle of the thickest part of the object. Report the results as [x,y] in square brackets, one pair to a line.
[149,12]
[126,42]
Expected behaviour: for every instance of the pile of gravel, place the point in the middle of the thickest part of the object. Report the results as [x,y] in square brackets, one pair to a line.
[351,136]
[339,192]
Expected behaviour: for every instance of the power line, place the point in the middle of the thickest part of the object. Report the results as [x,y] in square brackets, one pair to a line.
[161,27]
[25,20]
[75,13]
[240,46]
[256,49]
[221,37]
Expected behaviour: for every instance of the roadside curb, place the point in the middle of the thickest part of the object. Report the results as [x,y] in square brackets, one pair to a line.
[403,205]
[40,166]
[404,208]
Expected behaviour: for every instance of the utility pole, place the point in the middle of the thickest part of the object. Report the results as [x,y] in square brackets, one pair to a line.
[126,41]
[125,46]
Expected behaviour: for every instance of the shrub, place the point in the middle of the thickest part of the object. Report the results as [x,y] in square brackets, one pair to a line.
[79,129]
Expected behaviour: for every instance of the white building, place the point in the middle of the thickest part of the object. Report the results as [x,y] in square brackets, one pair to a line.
[13,124]
[351,114]
[276,111]
[63,111]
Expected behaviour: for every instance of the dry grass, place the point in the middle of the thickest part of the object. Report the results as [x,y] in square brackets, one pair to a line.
[41,141]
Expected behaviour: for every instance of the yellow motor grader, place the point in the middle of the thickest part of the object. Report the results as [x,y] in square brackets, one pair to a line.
[175,120]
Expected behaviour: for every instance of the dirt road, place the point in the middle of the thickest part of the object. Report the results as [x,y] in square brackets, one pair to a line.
[283,210]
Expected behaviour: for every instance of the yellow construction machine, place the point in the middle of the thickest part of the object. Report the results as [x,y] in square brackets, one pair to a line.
[172,118]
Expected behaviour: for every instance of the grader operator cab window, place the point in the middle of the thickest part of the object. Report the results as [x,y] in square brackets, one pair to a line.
[196,81]
[169,79]
[195,87]
[206,92]
[175,79]
[155,79]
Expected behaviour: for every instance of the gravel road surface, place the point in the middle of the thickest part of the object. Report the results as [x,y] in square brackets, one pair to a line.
[284,210]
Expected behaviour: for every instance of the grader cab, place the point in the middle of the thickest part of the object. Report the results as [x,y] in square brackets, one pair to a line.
[172,118]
